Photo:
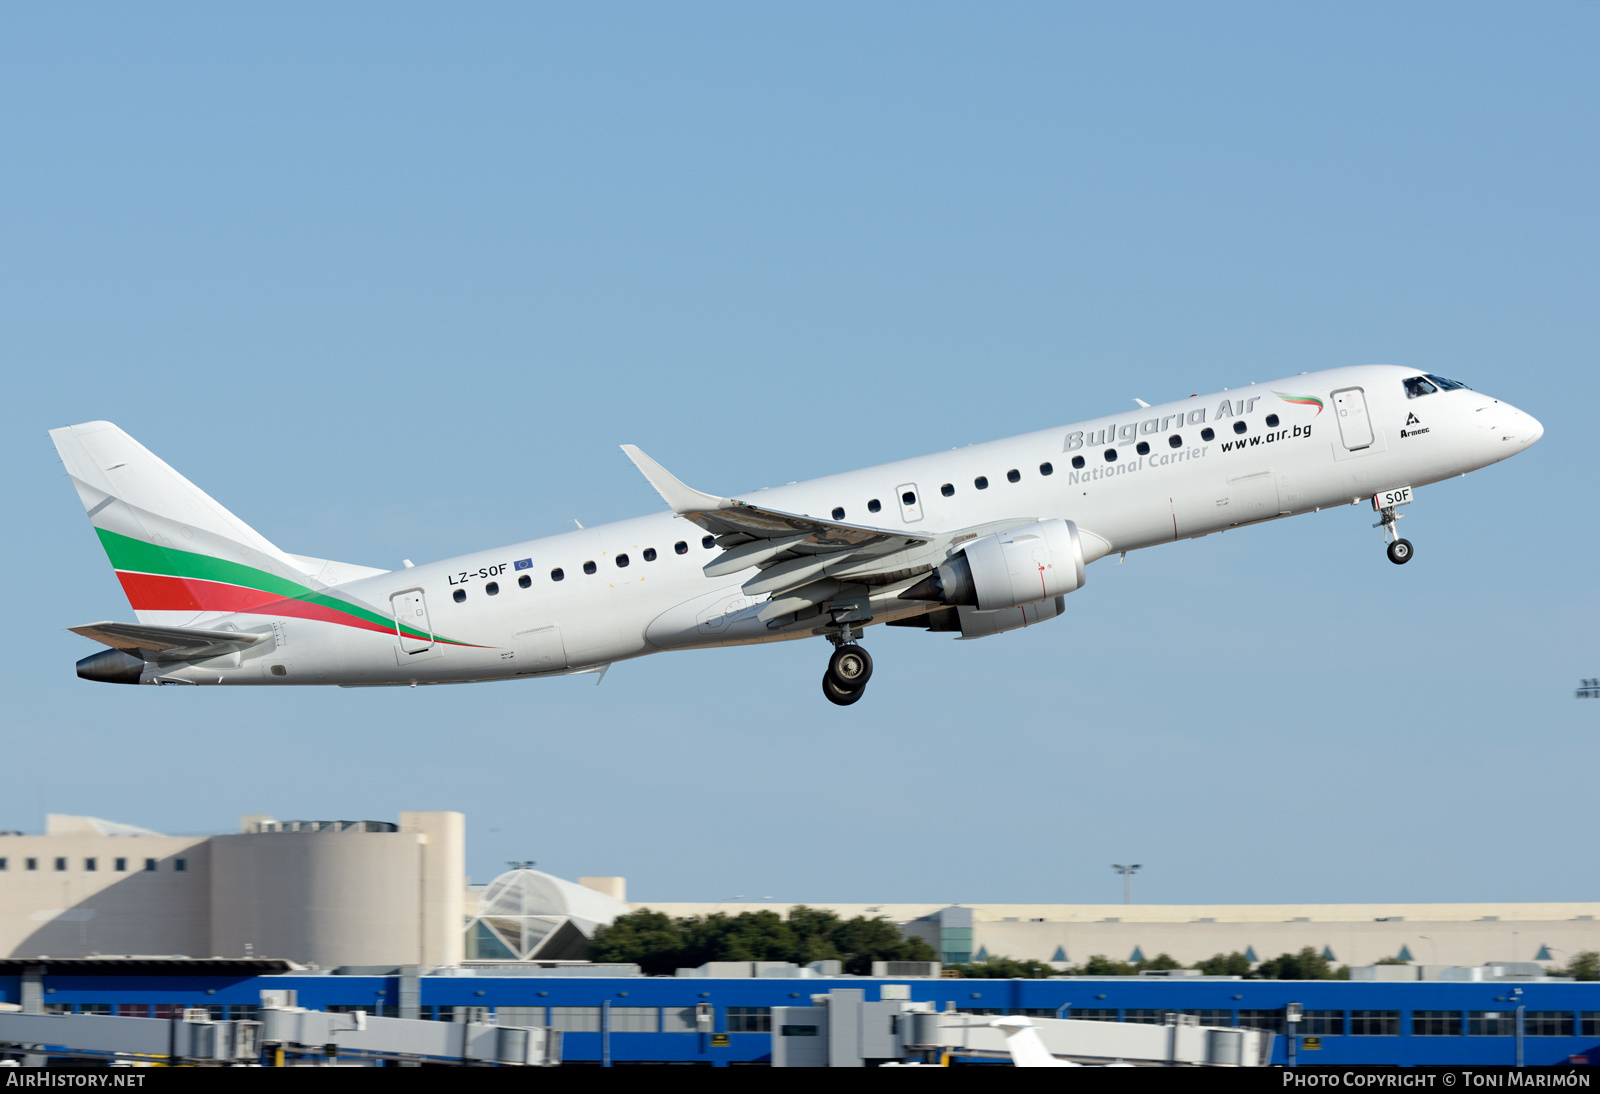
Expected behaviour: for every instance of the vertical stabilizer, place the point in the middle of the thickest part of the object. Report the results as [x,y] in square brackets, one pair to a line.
[181,557]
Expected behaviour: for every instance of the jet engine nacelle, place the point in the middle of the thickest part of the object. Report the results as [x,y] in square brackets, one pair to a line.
[1022,565]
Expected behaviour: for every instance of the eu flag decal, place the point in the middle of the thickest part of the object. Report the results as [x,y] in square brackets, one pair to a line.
[523,564]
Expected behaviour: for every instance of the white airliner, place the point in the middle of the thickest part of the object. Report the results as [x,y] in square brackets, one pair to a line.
[974,541]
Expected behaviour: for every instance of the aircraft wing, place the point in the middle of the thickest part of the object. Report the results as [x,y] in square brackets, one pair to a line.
[793,551]
[168,643]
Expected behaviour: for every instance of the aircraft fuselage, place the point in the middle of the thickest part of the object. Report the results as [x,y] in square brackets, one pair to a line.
[589,598]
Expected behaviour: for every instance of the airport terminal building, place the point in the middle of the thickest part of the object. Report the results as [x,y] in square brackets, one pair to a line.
[379,916]
[354,893]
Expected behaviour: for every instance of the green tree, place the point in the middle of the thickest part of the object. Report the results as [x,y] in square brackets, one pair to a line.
[653,940]
[1003,968]
[1308,964]
[1158,962]
[861,941]
[1390,961]
[748,936]
[1225,964]
[1585,965]
[661,944]
[1101,965]
[814,929]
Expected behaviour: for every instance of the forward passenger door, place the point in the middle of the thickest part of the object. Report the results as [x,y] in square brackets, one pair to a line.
[1355,426]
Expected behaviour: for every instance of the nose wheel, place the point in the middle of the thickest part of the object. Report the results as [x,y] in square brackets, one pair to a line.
[849,669]
[1399,550]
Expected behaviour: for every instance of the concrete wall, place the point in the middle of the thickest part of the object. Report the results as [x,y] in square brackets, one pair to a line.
[444,882]
[326,898]
[333,898]
[78,912]
[1350,943]
[1357,934]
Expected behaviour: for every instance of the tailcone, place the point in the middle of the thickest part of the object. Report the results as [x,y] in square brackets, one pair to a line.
[112,667]
[929,588]
[950,583]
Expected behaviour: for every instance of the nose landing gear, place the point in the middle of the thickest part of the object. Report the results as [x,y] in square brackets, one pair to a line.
[849,669]
[1399,550]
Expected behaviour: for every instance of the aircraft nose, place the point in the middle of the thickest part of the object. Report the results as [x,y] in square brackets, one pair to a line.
[1531,429]
[1503,424]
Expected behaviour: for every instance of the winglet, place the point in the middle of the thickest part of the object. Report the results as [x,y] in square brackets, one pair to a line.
[679,497]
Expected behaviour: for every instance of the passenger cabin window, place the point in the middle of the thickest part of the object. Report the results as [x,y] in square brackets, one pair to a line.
[1417,386]
[493,588]
[557,574]
[1208,434]
[524,582]
[1047,468]
[981,482]
[1013,475]
[589,567]
[908,498]
[1175,441]
[1239,427]
[649,554]
[460,596]
[709,542]
[1143,448]
[1111,455]
[948,490]
[1077,463]
[1272,421]
[1448,385]
[874,505]
[622,562]
[681,547]
[838,512]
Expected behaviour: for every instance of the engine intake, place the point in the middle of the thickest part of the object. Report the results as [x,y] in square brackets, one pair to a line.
[1023,565]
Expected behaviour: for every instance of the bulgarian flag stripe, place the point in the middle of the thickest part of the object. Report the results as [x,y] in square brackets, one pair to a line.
[159,578]
[1301,400]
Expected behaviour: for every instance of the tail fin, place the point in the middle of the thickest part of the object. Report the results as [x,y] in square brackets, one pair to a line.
[180,556]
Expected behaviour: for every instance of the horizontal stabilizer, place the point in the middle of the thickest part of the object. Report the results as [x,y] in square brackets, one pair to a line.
[169,643]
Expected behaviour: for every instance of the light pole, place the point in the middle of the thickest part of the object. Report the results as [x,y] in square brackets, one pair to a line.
[1127,873]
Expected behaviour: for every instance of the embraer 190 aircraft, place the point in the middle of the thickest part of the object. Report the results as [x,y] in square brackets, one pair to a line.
[974,541]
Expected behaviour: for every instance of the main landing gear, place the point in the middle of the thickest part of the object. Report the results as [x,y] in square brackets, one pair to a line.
[1399,550]
[849,669]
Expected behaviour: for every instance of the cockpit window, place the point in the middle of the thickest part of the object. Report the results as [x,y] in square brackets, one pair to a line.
[1448,385]
[1417,386]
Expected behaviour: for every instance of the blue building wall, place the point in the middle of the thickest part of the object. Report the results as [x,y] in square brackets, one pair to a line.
[1579,1002]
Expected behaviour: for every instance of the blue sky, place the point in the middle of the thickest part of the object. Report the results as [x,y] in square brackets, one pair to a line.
[394,281]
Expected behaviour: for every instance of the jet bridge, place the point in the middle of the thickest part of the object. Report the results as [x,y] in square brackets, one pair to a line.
[842,1029]
[285,1035]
